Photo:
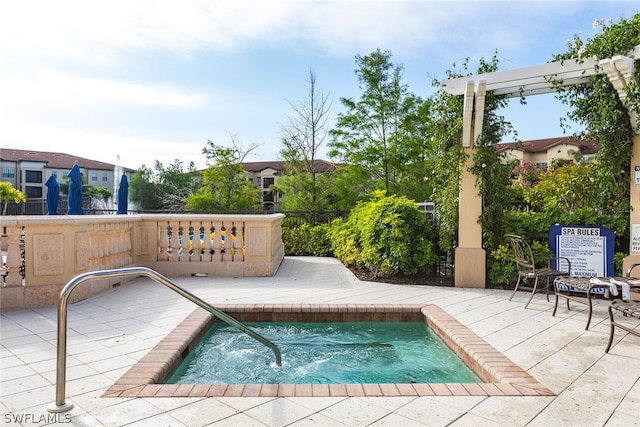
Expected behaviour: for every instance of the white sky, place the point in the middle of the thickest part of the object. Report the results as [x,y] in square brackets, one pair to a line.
[154,80]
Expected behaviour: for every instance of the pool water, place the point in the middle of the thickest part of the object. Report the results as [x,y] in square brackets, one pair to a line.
[323,353]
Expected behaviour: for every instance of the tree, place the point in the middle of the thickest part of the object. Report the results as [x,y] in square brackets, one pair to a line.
[97,192]
[565,189]
[416,146]
[225,185]
[372,133]
[10,194]
[304,186]
[163,188]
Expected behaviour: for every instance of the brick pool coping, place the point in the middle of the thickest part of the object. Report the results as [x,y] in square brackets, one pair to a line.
[500,376]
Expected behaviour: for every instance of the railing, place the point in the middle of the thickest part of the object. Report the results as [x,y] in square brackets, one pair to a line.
[61,365]
[42,253]
[297,218]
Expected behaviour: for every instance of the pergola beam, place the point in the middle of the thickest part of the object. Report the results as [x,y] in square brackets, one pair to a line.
[536,79]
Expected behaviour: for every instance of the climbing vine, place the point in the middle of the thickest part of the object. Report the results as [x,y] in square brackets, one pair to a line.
[598,108]
[449,158]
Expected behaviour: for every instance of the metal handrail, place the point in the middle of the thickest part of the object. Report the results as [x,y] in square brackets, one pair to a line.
[630,269]
[61,366]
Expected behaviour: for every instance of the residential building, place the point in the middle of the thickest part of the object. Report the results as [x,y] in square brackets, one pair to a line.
[543,152]
[266,174]
[29,170]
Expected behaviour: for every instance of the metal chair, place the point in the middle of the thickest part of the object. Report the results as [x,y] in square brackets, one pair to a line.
[628,309]
[526,265]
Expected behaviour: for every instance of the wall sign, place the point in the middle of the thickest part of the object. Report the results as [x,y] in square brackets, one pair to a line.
[635,237]
[636,175]
[589,248]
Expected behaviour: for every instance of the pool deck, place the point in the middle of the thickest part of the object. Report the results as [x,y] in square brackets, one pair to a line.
[110,333]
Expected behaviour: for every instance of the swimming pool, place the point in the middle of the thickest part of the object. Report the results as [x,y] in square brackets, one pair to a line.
[499,375]
[323,353]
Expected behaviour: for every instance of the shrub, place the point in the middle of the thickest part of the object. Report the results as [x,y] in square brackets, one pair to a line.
[388,236]
[501,269]
[307,240]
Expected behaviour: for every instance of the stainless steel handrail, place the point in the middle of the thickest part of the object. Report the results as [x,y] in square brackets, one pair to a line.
[61,366]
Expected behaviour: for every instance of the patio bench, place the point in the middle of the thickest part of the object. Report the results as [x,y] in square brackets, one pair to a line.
[577,289]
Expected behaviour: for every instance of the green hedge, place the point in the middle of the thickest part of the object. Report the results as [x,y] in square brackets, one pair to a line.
[307,240]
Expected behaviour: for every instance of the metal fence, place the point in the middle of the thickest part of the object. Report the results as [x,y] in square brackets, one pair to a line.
[297,218]
[39,207]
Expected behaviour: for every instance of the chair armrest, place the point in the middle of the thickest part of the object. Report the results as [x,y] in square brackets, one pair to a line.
[631,268]
[564,258]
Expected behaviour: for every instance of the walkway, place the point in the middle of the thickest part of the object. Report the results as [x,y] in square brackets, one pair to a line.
[111,332]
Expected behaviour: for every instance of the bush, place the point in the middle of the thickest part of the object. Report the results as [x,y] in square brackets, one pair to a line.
[388,236]
[307,240]
[501,269]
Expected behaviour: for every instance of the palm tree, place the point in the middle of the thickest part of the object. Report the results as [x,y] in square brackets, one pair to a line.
[8,193]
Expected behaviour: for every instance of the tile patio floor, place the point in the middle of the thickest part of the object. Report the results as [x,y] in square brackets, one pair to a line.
[109,333]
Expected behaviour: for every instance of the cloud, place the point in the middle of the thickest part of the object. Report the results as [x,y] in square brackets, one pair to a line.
[65,91]
[101,31]
[98,31]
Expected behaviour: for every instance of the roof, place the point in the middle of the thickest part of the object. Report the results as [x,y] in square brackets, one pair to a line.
[54,160]
[542,145]
[279,166]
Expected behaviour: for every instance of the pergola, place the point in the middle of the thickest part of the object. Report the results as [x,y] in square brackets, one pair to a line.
[538,79]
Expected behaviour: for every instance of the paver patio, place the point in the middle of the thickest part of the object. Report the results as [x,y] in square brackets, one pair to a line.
[110,333]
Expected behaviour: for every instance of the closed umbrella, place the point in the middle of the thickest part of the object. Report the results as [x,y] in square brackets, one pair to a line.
[53,195]
[75,191]
[123,195]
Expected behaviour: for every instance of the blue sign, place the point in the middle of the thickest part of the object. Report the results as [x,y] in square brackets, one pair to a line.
[589,249]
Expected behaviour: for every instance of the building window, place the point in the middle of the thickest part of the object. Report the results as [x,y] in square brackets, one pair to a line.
[259,181]
[267,196]
[105,177]
[94,177]
[542,165]
[8,173]
[65,174]
[33,176]
[33,192]
[268,182]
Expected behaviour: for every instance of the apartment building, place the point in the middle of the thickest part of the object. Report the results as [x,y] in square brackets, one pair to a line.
[29,170]
[265,174]
[543,152]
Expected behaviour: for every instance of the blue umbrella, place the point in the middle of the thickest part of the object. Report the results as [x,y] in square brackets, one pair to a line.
[53,195]
[75,191]
[123,194]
